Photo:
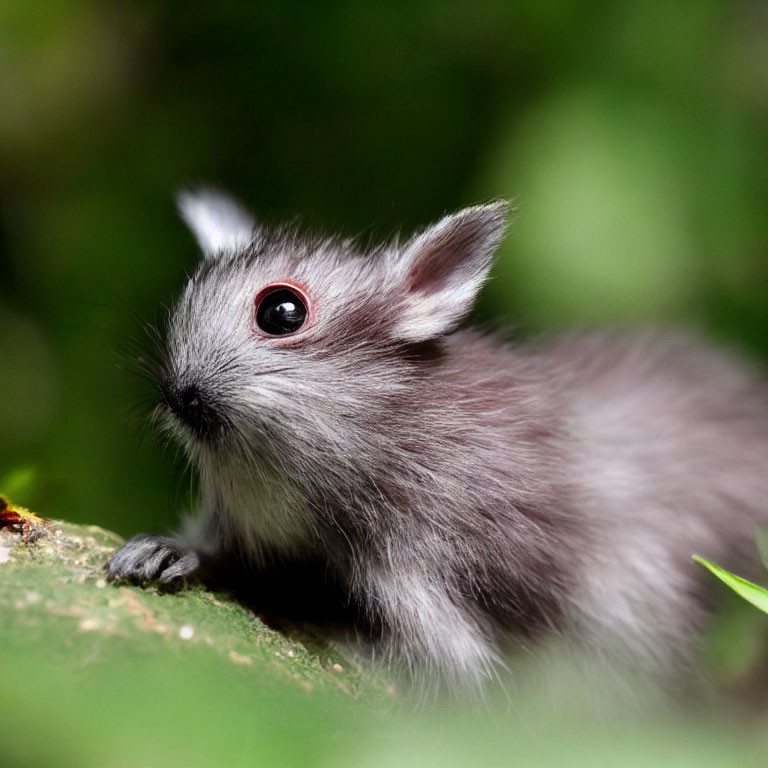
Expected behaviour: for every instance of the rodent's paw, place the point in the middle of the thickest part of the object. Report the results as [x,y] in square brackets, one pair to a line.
[147,558]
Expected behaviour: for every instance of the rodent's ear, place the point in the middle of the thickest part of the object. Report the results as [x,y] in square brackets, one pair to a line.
[444,267]
[219,223]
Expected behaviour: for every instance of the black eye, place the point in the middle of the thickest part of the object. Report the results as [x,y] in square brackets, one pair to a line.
[280,312]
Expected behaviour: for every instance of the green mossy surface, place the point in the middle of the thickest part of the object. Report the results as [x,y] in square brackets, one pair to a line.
[55,588]
[93,673]
[97,674]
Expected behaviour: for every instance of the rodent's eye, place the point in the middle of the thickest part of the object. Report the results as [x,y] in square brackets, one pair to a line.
[280,311]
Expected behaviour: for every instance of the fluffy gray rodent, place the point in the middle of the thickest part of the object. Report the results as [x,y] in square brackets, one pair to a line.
[465,495]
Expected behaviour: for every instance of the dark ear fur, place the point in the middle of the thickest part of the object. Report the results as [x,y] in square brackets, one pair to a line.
[219,223]
[443,268]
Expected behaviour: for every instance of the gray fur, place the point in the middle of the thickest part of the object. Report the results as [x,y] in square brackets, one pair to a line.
[469,495]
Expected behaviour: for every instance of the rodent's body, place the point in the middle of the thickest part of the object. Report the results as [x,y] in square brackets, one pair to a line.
[671,446]
[465,493]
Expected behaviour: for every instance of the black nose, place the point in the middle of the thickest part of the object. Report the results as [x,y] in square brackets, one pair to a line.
[194,406]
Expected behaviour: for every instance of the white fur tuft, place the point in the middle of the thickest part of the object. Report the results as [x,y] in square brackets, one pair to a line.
[219,223]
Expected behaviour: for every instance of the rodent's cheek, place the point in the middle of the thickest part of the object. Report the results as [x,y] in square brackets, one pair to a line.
[289,338]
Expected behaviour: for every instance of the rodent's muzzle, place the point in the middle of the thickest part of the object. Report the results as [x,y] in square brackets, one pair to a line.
[192,405]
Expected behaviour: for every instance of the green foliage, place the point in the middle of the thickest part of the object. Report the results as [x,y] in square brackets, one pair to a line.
[753,593]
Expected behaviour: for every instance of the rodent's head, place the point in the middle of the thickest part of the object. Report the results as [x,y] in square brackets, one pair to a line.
[281,340]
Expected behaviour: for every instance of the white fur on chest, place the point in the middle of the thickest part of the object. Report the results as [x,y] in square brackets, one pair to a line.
[261,513]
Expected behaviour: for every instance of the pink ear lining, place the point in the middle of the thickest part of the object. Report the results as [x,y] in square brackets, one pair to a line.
[459,248]
[439,260]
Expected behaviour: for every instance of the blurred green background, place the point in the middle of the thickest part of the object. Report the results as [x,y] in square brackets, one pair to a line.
[631,134]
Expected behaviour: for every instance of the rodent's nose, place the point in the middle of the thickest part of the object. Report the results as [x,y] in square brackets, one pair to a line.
[192,406]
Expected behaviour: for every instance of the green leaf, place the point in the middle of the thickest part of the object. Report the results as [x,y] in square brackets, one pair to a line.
[753,593]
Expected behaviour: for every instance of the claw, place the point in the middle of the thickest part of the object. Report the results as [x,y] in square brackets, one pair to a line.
[147,558]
